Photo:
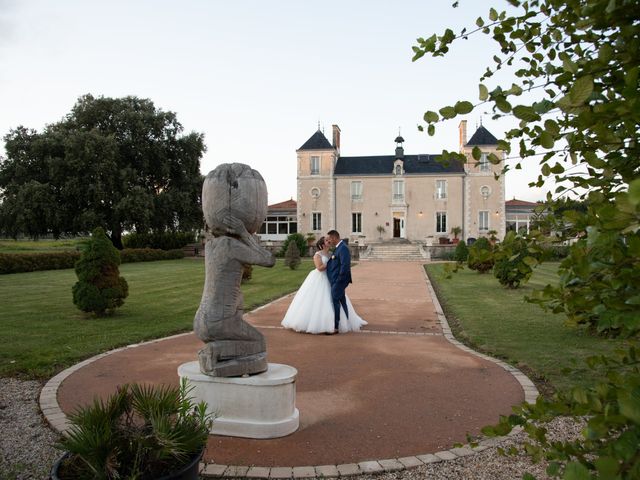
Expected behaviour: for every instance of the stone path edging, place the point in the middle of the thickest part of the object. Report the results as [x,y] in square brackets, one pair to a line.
[58,420]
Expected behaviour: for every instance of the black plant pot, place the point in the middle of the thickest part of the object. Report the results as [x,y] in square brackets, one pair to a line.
[187,472]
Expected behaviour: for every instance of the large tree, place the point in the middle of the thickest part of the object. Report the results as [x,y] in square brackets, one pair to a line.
[120,163]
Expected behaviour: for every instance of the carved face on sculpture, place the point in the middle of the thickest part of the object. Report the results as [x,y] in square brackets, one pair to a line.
[234,189]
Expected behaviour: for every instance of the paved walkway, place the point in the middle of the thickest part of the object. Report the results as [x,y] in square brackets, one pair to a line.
[397,390]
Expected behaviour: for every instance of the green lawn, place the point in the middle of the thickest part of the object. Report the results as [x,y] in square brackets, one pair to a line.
[499,322]
[42,332]
[37,246]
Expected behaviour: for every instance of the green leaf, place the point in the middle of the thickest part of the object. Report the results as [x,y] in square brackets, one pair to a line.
[493,15]
[476,153]
[581,90]
[525,113]
[546,140]
[431,117]
[484,92]
[576,471]
[634,192]
[629,403]
[480,22]
[447,112]
[503,105]
[463,107]
[607,467]
[431,129]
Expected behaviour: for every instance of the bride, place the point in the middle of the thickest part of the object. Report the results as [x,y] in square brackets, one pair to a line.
[311,310]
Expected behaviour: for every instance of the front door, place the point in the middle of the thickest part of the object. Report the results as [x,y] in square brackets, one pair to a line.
[396,228]
[398,225]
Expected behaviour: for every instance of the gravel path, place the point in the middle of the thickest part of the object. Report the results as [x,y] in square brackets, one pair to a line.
[26,442]
[27,452]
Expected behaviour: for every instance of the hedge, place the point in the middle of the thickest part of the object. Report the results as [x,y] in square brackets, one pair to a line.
[163,240]
[32,262]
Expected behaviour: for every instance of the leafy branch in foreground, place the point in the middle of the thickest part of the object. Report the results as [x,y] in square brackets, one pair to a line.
[577,100]
[608,446]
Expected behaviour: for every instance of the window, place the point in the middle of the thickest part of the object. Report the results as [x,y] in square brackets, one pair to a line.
[483,220]
[398,191]
[315,192]
[316,221]
[356,190]
[485,166]
[356,222]
[315,165]
[441,189]
[398,169]
[441,222]
[485,192]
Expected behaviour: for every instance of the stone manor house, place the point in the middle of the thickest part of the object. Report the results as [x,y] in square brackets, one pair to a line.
[399,196]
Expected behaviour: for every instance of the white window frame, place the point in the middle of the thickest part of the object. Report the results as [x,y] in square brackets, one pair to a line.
[441,189]
[356,190]
[316,221]
[356,222]
[314,161]
[485,165]
[398,191]
[483,223]
[441,222]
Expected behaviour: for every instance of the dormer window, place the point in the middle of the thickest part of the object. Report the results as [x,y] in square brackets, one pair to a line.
[398,168]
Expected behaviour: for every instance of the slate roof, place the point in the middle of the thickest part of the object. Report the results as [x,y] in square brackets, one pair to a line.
[383,165]
[317,142]
[482,136]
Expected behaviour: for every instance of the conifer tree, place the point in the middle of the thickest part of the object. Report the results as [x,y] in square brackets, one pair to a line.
[292,256]
[100,288]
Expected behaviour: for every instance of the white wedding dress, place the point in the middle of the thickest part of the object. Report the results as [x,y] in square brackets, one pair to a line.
[311,310]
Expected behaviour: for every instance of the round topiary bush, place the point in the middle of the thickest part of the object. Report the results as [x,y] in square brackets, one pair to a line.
[292,256]
[100,288]
[299,240]
[461,253]
[481,256]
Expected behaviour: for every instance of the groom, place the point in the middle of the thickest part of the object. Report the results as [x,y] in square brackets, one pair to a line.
[339,273]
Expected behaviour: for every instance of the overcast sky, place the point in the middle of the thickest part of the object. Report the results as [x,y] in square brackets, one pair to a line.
[254,76]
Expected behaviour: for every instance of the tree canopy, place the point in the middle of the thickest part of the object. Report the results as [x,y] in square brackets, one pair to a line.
[575,99]
[119,163]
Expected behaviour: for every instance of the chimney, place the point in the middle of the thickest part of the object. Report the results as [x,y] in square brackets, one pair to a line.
[336,137]
[462,128]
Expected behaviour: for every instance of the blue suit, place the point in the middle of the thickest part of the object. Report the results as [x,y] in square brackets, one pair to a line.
[339,273]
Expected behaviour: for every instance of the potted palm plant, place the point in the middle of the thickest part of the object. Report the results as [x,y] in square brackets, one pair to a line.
[456,231]
[140,432]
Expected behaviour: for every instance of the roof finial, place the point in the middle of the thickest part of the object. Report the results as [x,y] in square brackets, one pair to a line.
[399,134]
[480,120]
[318,125]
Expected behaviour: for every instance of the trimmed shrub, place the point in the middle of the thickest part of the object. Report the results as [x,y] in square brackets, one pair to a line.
[132,255]
[514,261]
[480,256]
[300,242]
[100,288]
[33,262]
[159,240]
[292,256]
[461,253]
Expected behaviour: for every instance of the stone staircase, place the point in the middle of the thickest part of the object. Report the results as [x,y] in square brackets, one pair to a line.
[394,251]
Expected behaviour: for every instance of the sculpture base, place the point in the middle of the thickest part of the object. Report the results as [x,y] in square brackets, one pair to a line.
[259,406]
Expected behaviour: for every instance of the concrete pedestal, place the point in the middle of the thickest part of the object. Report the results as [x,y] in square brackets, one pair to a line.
[259,406]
